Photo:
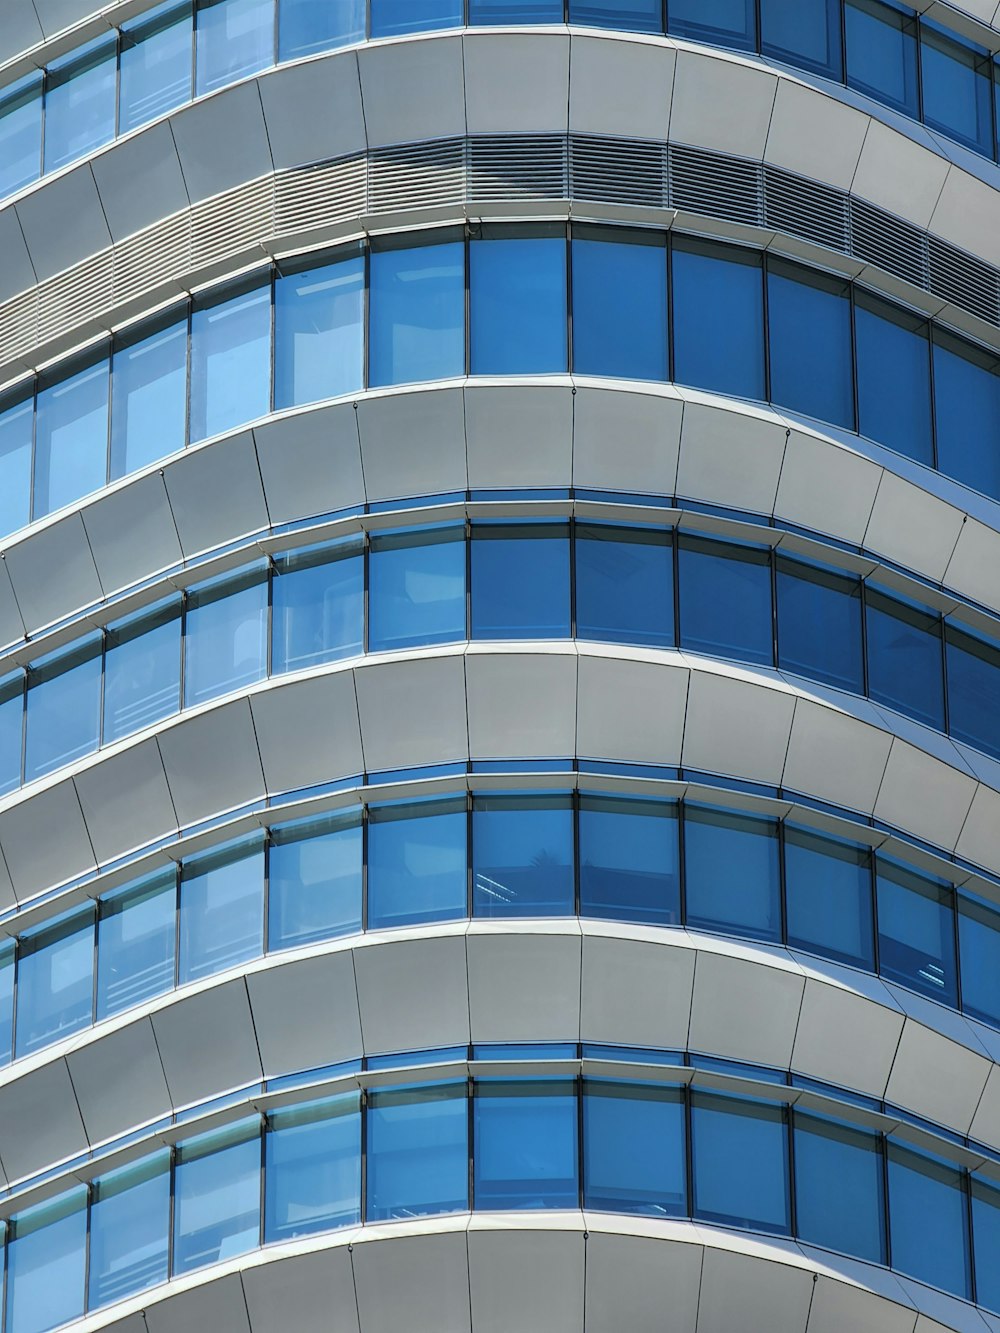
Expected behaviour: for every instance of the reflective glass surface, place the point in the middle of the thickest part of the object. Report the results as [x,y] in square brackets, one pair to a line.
[624,585]
[319,333]
[222,910]
[225,636]
[725,600]
[16,431]
[732,869]
[819,624]
[894,378]
[80,96]
[417,863]
[956,87]
[928,1221]
[967,413]
[526,1146]
[813,374]
[20,134]
[71,441]
[313,1168]
[718,311]
[155,65]
[11,731]
[64,709]
[916,930]
[390,17]
[515,11]
[418,1152]
[973,699]
[520,581]
[518,304]
[417,588]
[619,305]
[828,897]
[55,981]
[314,881]
[740,1162]
[217,1197]
[522,856]
[234,38]
[149,398]
[847,1216]
[46,1265]
[318,606]
[308,26]
[629,860]
[136,944]
[230,362]
[631,15]
[129,1230]
[979,951]
[986,1230]
[725,22]
[803,32]
[905,662]
[417,321]
[142,670]
[634,1149]
[882,52]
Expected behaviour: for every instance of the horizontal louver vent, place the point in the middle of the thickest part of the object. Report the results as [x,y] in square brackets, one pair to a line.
[232,222]
[321,196]
[879,238]
[507,168]
[76,296]
[416,176]
[805,208]
[963,280]
[619,171]
[152,257]
[721,187]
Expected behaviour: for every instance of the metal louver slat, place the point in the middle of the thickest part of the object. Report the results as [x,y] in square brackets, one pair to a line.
[719,186]
[892,244]
[416,176]
[618,171]
[76,296]
[232,222]
[18,322]
[504,168]
[152,256]
[964,280]
[805,208]
[311,197]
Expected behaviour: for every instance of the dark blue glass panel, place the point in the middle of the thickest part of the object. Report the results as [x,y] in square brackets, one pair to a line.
[129,1230]
[307,26]
[225,636]
[515,11]
[905,665]
[522,856]
[629,860]
[319,333]
[234,38]
[928,1222]
[417,320]
[417,1151]
[142,671]
[136,944]
[722,22]
[619,305]
[417,588]
[828,896]
[517,302]
[313,1168]
[17,426]
[71,440]
[20,134]
[894,378]
[882,52]
[634,1142]
[624,584]
[80,97]
[718,295]
[819,624]
[230,362]
[979,952]
[222,910]
[46,1264]
[155,65]
[629,15]
[838,1187]
[986,1236]
[956,87]
[973,672]
[148,398]
[55,981]
[740,1162]
[389,17]
[967,413]
[314,881]
[806,33]
[64,708]
[417,863]
[810,340]
[318,603]
[7,1004]
[916,930]
[217,1197]
[526,1145]
[732,874]
[520,581]
[11,729]
[725,600]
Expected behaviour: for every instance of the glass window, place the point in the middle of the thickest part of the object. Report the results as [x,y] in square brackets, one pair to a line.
[928,1222]
[417,592]
[319,332]
[136,935]
[225,636]
[520,581]
[740,1162]
[722,22]
[619,304]
[634,1144]
[624,584]
[7,1003]
[155,65]
[148,398]
[838,1187]
[882,52]
[80,95]
[390,17]
[905,663]
[517,294]
[718,294]
[417,1151]
[629,15]
[725,600]
[71,448]
[815,374]
[308,26]
[230,362]
[804,32]
[314,881]
[515,11]
[55,981]
[967,413]
[46,1264]
[979,952]
[956,87]
[217,1196]
[732,873]
[20,134]
[313,1168]
[526,1148]
[222,909]
[819,624]
[417,863]
[417,308]
[142,670]
[629,867]
[986,1233]
[235,38]
[64,708]
[129,1230]
[11,726]
[828,897]
[894,378]
[522,856]
[916,930]
[973,698]
[318,605]
[17,424]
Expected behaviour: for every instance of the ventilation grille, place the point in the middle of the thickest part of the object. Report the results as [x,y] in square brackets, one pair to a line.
[75,297]
[619,171]
[321,196]
[719,186]
[152,257]
[805,208]
[508,168]
[963,280]
[232,222]
[416,176]
[879,238]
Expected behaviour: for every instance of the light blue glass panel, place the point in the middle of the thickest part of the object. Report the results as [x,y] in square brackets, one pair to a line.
[71,449]
[11,730]
[718,312]
[916,930]
[819,624]
[629,15]
[725,600]
[417,588]
[308,26]
[142,670]
[80,97]
[16,433]
[722,22]
[806,33]
[956,87]
[813,373]
[417,313]
[740,1162]
[136,943]
[314,880]
[217,1196]
[222,910]
[318,603]
[225,636]
[522,856]
[732,871]
[46,1264]
[882,52]
[629,860]
[634,1149]
[313,1168]
[64,708]
[520,581]
[417,863]
[230,362]
[894,378]
[517,300]
[967,413]
[149,398]
[389,17]
[839,1196]
[986,1237]
[828,897]
[155,65]
[905,662]
[418,1151]
[55,981]
[129,1230]
[515,11]
[973,675]
[979,953]
[619,304]
[525,1144]
[928,1222]
[624,584]
[7,1004]
[234,38]
[20,134]
[319,333]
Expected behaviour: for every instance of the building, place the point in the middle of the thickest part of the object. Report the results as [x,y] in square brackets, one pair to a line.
[500,665]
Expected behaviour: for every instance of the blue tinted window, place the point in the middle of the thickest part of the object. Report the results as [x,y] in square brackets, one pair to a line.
[55,981]
[222,910]
[724,22]
[928,1223]
[7,1004]
[916,931]
[526,1147]
[828,893]
[417,588]
[306,26]
[313,1168]
[520,581]
[725,600]
[80,95]
[418,1151]
[718,296]
[230,362]
[967,414]
[624,585]
[314,881]
[522,856]
[809,318]
[142,671]
[20,134]
[629,860]
[46,1264]
[515,11]
[417,863]
[319,333]
[986,1233]
[634,1149]
[235,38]
[619,305]
[838,1187]
[956,87]
[71,450]
[318,606]
[804,32]
[417,312]
[396,16]
[64,708]
[894,378]
[16,432]
[517,294]
[136,933]
[225,636]
[819,624]
[905,665]
[148,398]
[740,1162]
[973,697]
[630,15]
[882,52]
[979,950]
[217,1197]
[129,1230]
[155,65]
[11,726]
[732,872]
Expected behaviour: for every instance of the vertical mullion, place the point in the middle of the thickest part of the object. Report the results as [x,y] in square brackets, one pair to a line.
[88,1209]
[172,1211]
[263,1179]
[788,1117]
[686,1094]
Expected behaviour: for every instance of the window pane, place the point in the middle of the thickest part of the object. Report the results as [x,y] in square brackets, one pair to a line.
[520,581]
[230,362]
[740,1162]
[804,32]
[979,952]
[986,1231]
[819,625]
[235,38]
[629,860]
[718,295]
[522,856]
[838,1187]
[956,87]
[724,22]
[417,311]
[313,1168]
[16,430]
[7,1004]
[905,667]
[894,378]
[314,881]
[418,1151]
[20,134]
[155,65]
[882,53]
[726,600]
[307,26]
[828,894]
[80,96]
[11,726]
[973,697]
[634,1149]
[217,1197]
[46,1264]
[136,933]
[629,15]
[318,606]
[732,872]
[222,910]
[624,585]
[517,292]
[64,709]
[129,1230]
[142,671]
[417,592]
[515,11]
[55,981]
[525,1137]
[967,414]
[318,333]
[71,450]
[916,931]
[619,307]
[397,16]
[149,399]
[225,636]
[928,1224]
[417,863]
[810,374]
